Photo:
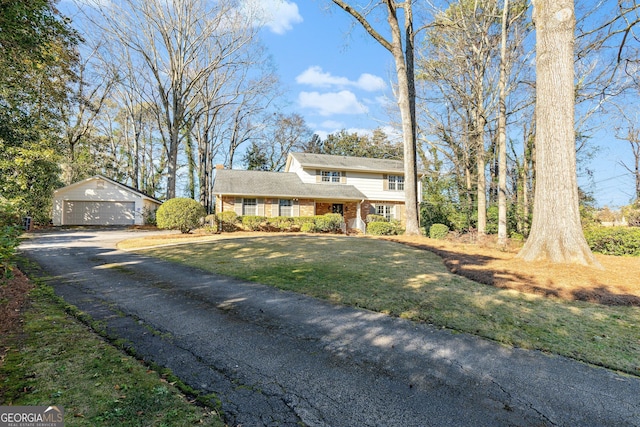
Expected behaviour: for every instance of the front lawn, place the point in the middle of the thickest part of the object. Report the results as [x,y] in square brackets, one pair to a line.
[413,283]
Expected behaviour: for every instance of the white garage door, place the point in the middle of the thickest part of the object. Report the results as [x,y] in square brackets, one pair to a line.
[98,213]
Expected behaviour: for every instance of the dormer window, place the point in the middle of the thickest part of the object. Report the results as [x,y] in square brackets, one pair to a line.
[396,182]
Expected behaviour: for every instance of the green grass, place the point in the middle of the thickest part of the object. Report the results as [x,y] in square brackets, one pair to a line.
[58,360]
[410,283]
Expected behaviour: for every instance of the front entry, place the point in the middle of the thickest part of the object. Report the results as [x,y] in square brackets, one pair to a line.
[338,208]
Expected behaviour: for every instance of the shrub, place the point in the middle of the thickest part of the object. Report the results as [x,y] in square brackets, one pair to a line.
[308,227]
[180,214]
[375,218]
[379,228]
[301,220]
[281,223]
[9,232]
[253,222]
[614,240]
[149,216]
[8,214]
[328,223]
[438,231]
[633,218]
[227,221]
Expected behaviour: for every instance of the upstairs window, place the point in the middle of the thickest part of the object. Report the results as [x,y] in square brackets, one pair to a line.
[331,176]
[396,182]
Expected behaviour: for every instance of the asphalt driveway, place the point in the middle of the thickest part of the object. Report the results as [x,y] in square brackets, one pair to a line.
[276,358]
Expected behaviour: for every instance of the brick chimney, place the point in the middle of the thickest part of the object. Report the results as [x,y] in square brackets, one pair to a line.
[219,166]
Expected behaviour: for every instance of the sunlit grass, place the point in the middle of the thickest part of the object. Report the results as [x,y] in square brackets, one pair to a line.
[401,281]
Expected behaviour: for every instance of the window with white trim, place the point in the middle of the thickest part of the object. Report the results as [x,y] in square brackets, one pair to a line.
[249,207]
[385,211]
[331,176]
[396,182]
[285,207]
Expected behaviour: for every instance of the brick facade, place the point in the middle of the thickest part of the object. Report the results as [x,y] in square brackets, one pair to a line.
[308,207]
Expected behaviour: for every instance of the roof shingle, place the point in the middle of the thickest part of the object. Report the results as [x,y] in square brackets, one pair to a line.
[278,184]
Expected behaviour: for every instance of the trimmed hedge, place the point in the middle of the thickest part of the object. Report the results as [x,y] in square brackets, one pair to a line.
[381,228]
[375,218]
[281,223]
[227,221]
[181,214]
[328,223]
[253,222]
[438,231]
[614,240]
[308,227]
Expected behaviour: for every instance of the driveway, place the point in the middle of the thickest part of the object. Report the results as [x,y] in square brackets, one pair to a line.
[276,358]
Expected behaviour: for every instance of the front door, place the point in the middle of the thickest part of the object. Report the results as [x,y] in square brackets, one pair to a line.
[338,208]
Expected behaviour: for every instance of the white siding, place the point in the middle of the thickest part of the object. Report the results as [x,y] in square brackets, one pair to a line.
[294,167]
[370,184]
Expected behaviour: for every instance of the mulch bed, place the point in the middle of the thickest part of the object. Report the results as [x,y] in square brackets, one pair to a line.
[617,285]
[14,297]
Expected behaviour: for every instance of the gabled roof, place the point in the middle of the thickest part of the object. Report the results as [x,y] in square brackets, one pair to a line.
[362,164]
[278,184]
[116,183]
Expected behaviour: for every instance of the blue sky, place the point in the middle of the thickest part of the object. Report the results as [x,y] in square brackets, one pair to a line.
[337,77]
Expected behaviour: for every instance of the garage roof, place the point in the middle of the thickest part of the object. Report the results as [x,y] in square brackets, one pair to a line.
[102,177]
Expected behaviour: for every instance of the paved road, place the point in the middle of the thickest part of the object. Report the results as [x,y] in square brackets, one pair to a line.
[280,359]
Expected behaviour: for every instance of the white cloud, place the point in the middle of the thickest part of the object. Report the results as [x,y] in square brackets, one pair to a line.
[371,83]
[316,77]
[327,104]
[278,15]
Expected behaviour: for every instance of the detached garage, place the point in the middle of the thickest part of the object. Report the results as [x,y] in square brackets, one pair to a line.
[101,201]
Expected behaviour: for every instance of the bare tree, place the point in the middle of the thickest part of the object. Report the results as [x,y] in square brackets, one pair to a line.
[631,133]
[470,51]
[91,90]
[180,45]
[401,46]
[556,231]
[282,135]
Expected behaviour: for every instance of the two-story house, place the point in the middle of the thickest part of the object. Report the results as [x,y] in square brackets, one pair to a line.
[316,184]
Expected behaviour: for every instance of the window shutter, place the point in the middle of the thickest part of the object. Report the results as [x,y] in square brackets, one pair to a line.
[385,182]
[318,176]
[296,207]
[275,207]
[343,177]
[237,206]
[260,207]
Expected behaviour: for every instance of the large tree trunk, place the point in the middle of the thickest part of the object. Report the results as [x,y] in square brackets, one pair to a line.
[556,231]
[404,61]
[502,131]
[406,102]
